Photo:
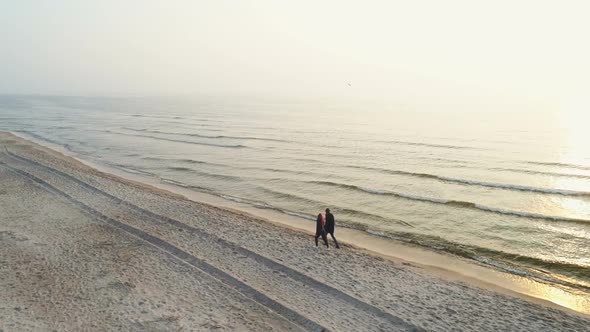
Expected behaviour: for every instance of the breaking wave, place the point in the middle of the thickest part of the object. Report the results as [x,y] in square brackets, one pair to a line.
[455,203]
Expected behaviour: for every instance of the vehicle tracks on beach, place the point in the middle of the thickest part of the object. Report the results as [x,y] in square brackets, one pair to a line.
[260,286]
[178,253]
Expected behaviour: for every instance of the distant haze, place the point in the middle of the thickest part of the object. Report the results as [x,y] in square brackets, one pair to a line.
[521,52]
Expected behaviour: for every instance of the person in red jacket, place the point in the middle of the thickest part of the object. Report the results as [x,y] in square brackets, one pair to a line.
[320,230]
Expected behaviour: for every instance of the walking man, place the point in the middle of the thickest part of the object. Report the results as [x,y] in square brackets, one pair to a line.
[330,226]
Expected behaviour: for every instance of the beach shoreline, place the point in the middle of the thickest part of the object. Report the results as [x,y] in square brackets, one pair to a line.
[442,264]
[71,176]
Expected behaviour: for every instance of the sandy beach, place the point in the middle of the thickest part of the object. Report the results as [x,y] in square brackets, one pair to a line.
[82,250]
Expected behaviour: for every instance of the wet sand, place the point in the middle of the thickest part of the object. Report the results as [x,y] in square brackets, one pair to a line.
[84,250]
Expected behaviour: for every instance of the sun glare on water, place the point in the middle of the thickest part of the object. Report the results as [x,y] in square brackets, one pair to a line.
[574,120]
[564,298]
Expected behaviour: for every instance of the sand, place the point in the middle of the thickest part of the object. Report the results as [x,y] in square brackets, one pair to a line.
[82,250]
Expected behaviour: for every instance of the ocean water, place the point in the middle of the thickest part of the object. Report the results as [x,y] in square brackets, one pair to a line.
[510,190]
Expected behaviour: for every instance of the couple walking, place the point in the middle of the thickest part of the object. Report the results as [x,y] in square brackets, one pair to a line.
[323,228]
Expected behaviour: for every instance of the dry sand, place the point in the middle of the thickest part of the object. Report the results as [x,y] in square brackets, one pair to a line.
[84,250]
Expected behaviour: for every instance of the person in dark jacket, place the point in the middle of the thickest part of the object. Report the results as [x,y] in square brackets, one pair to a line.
[320,230]
[330,226]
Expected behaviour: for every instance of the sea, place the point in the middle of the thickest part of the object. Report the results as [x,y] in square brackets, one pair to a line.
[500,187]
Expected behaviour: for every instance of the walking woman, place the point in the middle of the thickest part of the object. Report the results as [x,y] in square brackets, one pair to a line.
[320,230]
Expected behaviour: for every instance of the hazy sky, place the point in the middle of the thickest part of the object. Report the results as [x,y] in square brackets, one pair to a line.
[439,50]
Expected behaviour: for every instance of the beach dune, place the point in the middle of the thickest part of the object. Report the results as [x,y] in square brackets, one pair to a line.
[85,250]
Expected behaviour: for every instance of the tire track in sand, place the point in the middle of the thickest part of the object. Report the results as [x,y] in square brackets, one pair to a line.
[293,274]
[183,256]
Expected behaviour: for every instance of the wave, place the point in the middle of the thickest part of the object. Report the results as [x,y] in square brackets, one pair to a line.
[563,192]
[266,206]
[217,175]
[431,145]
[131,170]
[257,138]
[180,168]
[154,116]
[455,203]
[209,136]
[185,185]
[183,160]
[66,146]
[39,137]
[192,161]
[379,192]
[186,170]
[180,141]
[161,116]
[367,215]
[513,263]
[206,174]
[343,212]
[567,165]
[176,183]
[62,127]
[238,167]
[530,171]
[289,197]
